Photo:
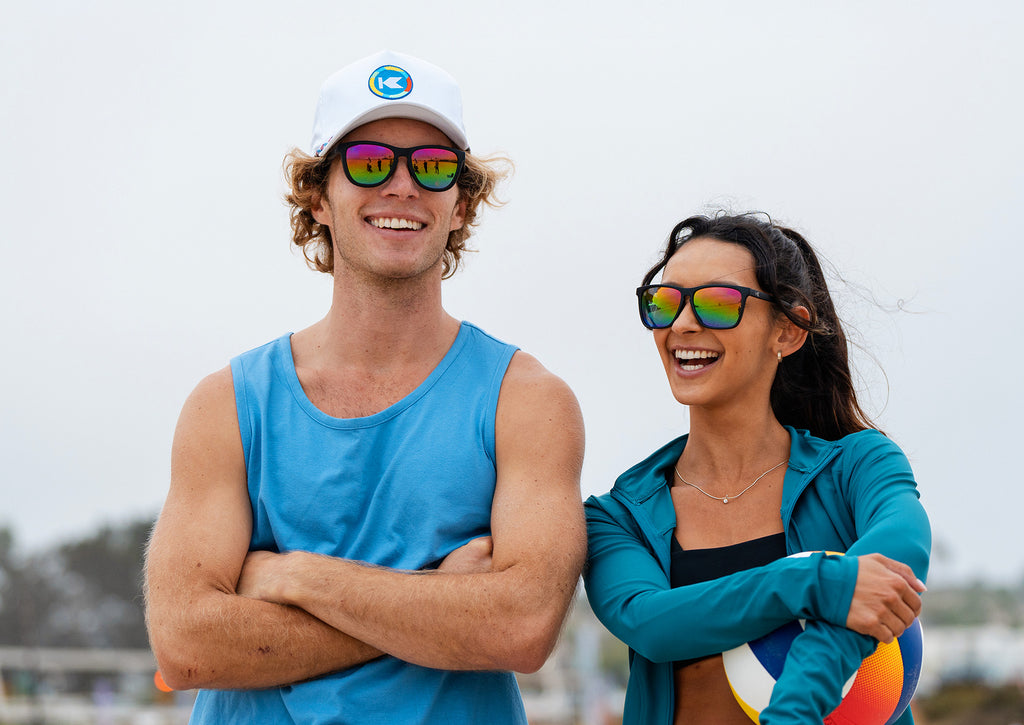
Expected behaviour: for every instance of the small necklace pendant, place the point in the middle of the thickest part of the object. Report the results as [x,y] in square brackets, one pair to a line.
[725,500]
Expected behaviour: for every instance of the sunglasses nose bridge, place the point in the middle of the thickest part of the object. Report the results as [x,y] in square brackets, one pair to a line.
[686,319]
[401,181]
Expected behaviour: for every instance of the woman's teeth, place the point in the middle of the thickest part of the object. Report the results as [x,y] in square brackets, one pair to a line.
[695,359]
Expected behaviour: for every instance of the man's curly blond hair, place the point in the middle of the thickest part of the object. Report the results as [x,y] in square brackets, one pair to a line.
[307,178]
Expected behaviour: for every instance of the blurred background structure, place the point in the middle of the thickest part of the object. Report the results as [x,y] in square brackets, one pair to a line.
[73,648]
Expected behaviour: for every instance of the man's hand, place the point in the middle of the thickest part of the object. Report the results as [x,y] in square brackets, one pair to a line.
[471,558]
[497,602]
[202,634]
[263,577]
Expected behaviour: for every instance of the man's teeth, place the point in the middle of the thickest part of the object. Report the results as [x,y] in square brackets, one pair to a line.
[395,223]
[692,359]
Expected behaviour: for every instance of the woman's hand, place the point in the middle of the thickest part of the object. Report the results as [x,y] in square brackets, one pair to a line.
[470,558]
[886,599]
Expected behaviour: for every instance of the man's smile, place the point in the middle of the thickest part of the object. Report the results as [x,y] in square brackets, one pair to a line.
[395,223]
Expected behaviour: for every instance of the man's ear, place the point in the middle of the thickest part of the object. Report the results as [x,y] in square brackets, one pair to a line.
[320,209]
[458,216]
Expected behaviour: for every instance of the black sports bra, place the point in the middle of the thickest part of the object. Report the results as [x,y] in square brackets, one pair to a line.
[693,566]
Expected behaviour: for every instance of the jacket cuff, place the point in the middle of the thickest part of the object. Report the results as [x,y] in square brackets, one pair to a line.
[838,577]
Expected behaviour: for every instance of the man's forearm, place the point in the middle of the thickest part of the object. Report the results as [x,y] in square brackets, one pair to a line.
[497,620]
[507,618]
[224,641]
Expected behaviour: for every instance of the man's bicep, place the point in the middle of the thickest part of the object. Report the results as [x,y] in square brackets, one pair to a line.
[537,516]
[203,633]
[202,535]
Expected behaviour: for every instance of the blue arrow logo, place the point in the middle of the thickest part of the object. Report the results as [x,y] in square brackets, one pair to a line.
[390,82]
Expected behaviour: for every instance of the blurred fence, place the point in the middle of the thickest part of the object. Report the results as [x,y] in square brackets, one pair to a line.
[48,686]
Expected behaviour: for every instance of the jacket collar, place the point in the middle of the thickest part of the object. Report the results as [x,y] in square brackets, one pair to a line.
[644,488]
[807,455]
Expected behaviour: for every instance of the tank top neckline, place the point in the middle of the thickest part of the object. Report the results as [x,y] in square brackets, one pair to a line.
[285,362]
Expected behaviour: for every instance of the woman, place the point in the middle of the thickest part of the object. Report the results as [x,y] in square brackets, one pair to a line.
[687,552]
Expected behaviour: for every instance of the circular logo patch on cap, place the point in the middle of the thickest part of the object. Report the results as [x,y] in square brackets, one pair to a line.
[390,82]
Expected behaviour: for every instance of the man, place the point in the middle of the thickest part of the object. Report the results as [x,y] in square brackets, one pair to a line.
[377,518]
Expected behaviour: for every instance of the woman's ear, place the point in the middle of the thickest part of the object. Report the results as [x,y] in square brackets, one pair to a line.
[792,337]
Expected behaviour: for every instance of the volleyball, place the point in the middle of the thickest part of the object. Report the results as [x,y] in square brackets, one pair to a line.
[877,694]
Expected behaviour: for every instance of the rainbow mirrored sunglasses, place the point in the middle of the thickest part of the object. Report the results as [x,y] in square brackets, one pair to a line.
[366,164]
[716,306]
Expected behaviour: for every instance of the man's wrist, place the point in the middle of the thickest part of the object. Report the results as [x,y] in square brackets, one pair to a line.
[297,568]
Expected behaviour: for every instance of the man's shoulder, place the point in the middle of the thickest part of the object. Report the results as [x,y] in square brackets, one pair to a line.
[532,395]
[475,338]
[479,332]
[213,387]
[219,387]
[265,350]
[527,375]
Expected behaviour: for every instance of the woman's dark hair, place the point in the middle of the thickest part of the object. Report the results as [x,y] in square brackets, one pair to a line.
[813,388]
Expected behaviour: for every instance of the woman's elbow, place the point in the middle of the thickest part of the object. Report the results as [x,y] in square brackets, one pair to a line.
[650,647]
[643,637]
[635,630]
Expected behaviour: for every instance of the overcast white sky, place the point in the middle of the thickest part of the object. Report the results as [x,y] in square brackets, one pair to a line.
[144,242]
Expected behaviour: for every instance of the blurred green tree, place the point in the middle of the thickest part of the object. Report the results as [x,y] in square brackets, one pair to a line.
[86,593]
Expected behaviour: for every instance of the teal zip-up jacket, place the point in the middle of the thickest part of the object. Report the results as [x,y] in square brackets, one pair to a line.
[856,495]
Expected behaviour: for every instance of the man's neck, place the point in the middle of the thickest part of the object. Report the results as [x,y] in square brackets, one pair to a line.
[381,326]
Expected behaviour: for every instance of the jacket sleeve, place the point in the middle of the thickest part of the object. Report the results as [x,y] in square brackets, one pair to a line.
[879,486]
[632,596]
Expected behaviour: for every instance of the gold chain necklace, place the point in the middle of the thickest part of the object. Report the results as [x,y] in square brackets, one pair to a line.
[726,499]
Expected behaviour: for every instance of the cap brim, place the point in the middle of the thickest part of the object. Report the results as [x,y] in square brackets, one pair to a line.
[405,110]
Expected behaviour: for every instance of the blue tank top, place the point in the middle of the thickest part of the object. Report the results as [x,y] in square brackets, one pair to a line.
[401,488]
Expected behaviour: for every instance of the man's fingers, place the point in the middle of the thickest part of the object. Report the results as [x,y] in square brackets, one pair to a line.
[472,557]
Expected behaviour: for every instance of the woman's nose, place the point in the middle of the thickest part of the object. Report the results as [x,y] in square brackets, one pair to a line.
[686,321]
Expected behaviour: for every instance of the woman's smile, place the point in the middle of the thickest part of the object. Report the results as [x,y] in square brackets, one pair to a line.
[695,360]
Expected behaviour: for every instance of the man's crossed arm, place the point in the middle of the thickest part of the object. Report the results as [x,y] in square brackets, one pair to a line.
[222,617]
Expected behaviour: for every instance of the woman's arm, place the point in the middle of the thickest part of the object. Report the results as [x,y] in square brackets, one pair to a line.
[632,595]
[889,519]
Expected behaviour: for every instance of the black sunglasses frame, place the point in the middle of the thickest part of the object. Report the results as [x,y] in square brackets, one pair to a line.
[342,148]
[687,295]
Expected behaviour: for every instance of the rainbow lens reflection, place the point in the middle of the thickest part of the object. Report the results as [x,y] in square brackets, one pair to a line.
[659,306]
[434,168]
[717,307]
[369,164]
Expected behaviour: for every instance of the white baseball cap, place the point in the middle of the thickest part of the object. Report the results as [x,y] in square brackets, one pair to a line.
[387,85]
